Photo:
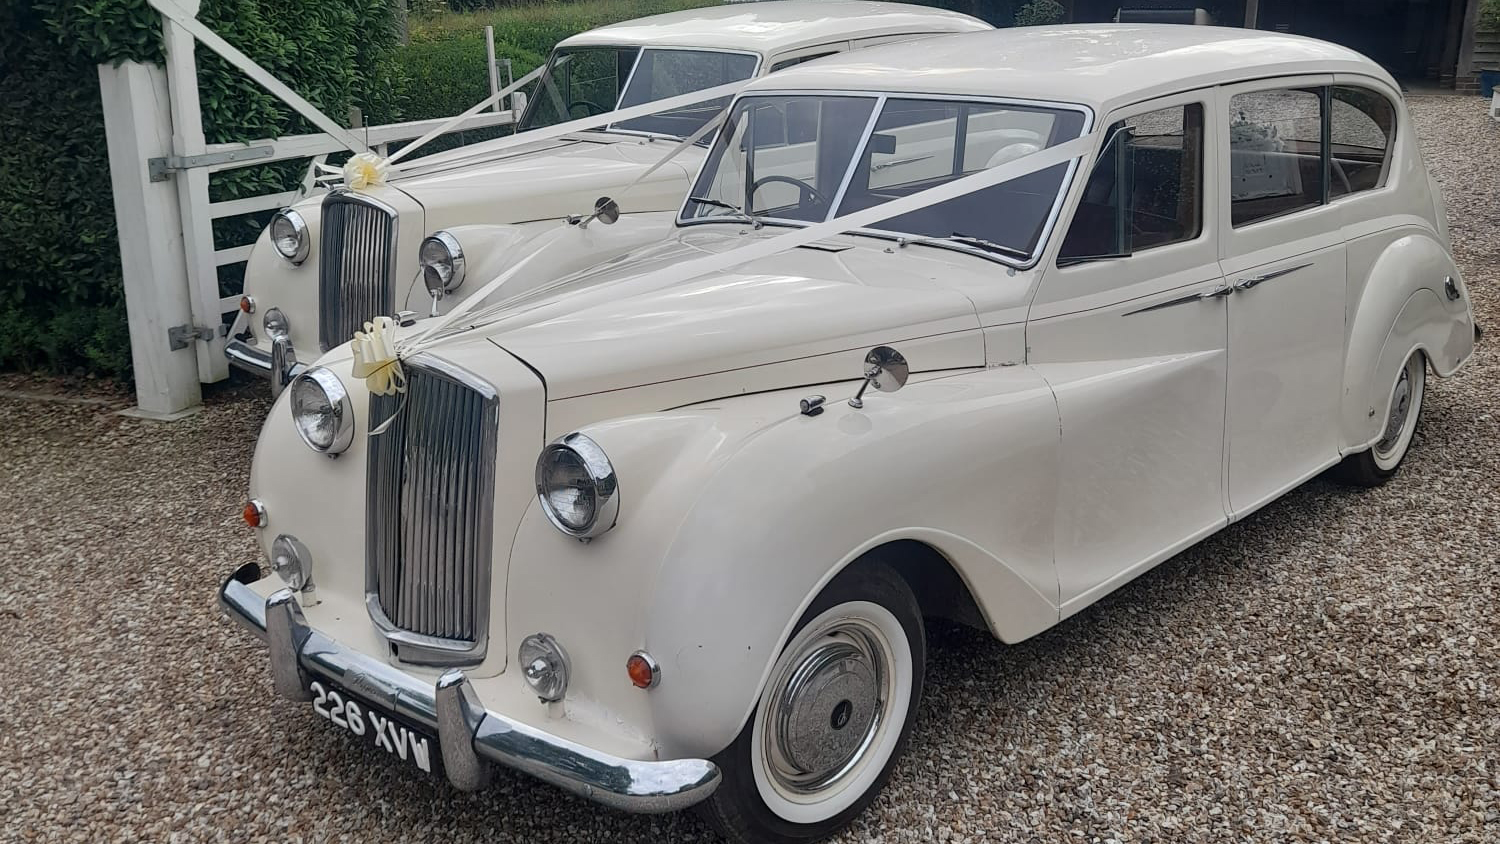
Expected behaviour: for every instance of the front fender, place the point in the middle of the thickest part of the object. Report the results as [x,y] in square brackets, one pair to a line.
[1402,307]
[734,515]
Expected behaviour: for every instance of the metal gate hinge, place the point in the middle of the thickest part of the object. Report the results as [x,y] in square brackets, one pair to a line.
[162,167]
[180,337]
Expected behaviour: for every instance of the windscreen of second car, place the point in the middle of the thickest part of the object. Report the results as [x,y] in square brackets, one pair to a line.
[799,158]
[585,81]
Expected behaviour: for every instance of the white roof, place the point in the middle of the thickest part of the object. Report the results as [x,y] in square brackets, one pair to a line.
[770,28]
[1103,66]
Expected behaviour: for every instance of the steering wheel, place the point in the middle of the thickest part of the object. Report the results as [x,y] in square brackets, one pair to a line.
[589,108]
[805,189]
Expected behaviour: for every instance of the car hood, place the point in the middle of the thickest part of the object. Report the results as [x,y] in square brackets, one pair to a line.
[805,316]
[551,180]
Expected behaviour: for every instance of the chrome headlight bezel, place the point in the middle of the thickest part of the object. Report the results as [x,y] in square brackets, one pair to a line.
[340,406]
[298,231]
[275,324]
[442,273]
[603,485]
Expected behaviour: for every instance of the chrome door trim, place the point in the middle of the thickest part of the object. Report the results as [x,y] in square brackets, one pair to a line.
[1217,293]
[1247,283]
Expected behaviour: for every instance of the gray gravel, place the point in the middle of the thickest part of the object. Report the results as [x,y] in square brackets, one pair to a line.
[1325,671]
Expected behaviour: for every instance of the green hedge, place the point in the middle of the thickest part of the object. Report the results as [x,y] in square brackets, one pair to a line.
[60,294]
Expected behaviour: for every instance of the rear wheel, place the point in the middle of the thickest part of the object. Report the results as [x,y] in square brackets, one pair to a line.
[833,717]
[1377,464]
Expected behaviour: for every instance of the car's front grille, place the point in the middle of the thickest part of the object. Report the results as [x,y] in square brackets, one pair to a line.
[429,512]
[356,263]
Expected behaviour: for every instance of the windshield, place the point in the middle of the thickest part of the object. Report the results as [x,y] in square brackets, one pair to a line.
[803,159]
[586,81]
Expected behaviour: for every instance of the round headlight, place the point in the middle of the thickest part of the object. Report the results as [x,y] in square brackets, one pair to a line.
[322,411]
[289,235]
[576,485]
[275,324]
[442,261]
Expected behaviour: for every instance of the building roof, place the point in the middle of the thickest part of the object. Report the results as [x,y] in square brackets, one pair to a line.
[774,27]
[1102,66]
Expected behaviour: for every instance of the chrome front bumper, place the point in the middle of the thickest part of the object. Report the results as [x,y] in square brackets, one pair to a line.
[470,736]
[279,364]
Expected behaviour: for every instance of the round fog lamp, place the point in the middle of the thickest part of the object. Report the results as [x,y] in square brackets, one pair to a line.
[289,235]
[577,486]
[291,561]
[322,411]
[275,324]
[544,664]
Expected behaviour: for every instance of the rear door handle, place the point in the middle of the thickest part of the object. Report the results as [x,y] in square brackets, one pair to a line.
[1247,283]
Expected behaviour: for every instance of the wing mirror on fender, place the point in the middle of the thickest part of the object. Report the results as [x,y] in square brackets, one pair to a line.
[885,370]
[606,211]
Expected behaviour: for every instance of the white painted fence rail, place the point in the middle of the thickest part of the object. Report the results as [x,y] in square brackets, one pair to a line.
[159,173]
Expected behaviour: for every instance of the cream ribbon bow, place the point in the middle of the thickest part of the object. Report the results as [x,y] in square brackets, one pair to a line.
[375,358]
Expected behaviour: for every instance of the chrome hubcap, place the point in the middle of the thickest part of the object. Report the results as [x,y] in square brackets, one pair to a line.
[1400,408]
[829,705]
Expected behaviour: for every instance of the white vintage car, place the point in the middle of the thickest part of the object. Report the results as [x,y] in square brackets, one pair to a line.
[332,261]
[665,532]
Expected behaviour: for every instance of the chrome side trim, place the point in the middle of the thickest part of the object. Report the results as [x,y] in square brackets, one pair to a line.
[452,710]
[1217,293]
[1247,283]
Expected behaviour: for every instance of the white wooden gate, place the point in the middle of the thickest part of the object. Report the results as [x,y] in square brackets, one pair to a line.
[159,169]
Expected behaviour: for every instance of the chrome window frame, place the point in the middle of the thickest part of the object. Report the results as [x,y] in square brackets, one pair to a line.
[421,648]
[881,98]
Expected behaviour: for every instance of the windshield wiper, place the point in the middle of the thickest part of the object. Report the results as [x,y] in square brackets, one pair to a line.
[972,242]
[749,216]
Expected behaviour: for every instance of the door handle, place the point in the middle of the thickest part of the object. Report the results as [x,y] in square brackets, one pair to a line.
[1247,283]
[1217,293]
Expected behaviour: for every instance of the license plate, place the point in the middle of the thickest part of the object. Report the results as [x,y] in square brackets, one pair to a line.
[370,724]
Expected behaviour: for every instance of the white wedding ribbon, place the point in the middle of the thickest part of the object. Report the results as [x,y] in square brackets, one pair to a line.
[1025,166]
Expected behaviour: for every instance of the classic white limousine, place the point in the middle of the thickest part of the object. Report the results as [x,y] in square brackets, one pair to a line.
[977,327]
[332,261]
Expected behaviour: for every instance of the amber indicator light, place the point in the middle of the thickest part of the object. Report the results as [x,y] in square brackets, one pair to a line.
[252,514]
[639,669]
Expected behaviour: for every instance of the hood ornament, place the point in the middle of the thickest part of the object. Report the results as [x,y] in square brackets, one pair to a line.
[885,370]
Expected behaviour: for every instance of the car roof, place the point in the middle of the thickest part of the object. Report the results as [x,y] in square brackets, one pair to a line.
[770,28]
[1101,66]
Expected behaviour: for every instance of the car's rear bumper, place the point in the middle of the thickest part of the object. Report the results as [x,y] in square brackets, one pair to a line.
[469,735]
[279,364]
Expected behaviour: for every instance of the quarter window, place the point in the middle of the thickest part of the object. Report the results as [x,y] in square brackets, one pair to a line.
[1146,189]
[1361,126]
[1275,153]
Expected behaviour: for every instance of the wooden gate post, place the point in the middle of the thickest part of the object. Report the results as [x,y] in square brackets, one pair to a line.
[138,126]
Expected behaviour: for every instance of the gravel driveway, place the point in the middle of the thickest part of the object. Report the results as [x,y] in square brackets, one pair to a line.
[1327,670]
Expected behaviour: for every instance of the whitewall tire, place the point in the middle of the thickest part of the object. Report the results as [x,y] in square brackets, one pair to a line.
[1377,464]
[832,718]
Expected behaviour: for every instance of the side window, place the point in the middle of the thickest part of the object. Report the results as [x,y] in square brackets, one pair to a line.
[1362,124]
[1275,153]
[1146,189]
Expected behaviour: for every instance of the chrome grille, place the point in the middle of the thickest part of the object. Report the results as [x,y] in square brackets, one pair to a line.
[429,511]
[356,264]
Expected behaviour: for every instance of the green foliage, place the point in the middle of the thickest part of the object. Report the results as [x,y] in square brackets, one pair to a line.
[1489,15]
[61,303]
[1040,13]
[445,58]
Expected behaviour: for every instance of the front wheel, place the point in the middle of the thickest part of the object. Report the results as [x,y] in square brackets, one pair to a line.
[833,717]
[1375,465]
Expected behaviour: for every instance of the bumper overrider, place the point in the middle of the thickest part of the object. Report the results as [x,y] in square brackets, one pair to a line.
[470,737]
[279,365]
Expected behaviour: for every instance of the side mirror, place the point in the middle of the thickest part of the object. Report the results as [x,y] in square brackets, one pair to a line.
[606,210]
[885,370]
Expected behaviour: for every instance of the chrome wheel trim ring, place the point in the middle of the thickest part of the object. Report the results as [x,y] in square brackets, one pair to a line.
[831,712]
[1401,418]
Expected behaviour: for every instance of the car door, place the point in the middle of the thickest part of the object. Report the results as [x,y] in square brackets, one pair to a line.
[1128,326]
[1283,254]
